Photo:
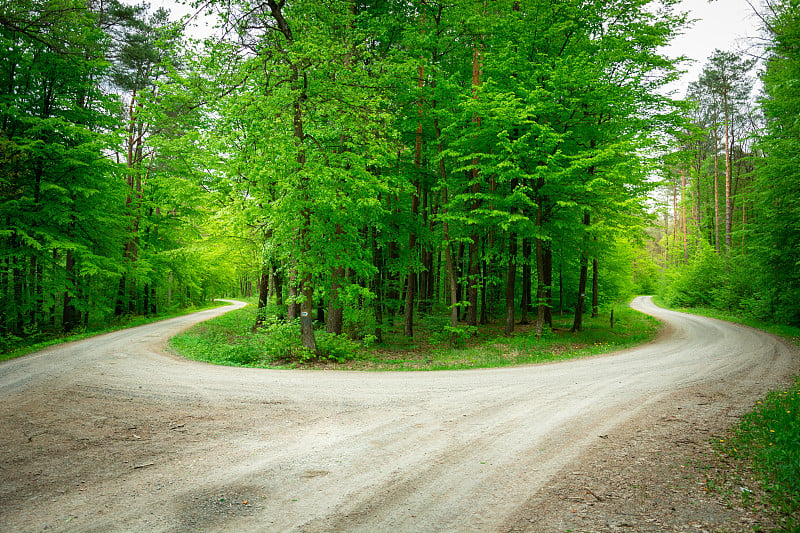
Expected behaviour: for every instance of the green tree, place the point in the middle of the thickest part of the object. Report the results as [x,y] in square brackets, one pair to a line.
[778,178]
[58,204]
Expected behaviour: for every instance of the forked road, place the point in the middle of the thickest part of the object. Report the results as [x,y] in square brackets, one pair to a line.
[112,434]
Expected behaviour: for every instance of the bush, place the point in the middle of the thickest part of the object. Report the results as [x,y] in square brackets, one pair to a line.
[696,284]
[337,348]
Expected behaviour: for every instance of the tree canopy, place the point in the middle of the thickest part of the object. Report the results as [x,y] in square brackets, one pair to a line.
[362,164]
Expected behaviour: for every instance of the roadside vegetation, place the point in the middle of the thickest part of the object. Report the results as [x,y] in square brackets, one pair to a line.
[229,340]
[766,441]
[12,346]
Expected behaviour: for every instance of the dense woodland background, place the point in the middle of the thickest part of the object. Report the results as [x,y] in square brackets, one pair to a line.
[364,164]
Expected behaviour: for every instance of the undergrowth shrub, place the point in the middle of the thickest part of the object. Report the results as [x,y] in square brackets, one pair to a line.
[337,348]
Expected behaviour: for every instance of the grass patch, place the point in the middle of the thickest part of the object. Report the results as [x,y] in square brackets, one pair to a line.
[766,441]
[228,340]
[18,346]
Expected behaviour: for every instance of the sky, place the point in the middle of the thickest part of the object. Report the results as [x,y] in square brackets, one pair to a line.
[720,24]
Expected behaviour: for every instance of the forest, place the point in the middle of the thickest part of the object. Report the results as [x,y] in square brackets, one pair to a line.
[358,166]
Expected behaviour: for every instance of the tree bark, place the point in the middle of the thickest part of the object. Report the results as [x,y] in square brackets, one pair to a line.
[70,316]
[474,264]
[716,188]
[683,217]
[451,268]
[263,297]
[548,284]
[306,308]
[577,324]
[335,309]
[511,278]
[474,274]
[425,288]
[728,171]
[293,310]
[525,300]
[298,85]
[411,280]
[541,293]
[595,287]
[377,285]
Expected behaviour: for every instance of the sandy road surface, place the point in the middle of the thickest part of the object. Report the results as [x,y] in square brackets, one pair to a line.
[111,434]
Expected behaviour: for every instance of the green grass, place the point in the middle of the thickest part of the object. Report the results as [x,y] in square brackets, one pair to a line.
[766,441]
[227,340]
[768,438]
[22,346]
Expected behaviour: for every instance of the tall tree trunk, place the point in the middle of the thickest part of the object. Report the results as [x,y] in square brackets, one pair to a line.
[675,214]
[5,303]
[448,252]
[484,279]
[278,281]
[577,323]
[474,275]
[263,296]
[743,224]
[474,264]
[425,288]
[683,217]
[548,284]
[377,284]
[293,311]
[146,299]
[541,294]
[119,305]
[17,324]
[411,277]
[306,308]
[716,189]
[298,86]
[392,292]
[561,288]
[595,287]
[460,279]
[525,301]
[70,316]
[511,278]
[728,171]
[335,308]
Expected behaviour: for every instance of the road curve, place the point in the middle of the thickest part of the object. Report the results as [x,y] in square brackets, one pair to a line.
[112,434]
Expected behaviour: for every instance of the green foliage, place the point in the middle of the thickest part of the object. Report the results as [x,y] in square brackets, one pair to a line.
[752,221]
[457,336]
[228,340]
[344,146]
[645,273]
[699,283]
[778,180]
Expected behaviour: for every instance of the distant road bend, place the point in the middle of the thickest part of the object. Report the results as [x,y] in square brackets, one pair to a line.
[113,434]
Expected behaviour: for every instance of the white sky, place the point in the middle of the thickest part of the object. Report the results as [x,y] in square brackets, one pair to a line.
[720,24]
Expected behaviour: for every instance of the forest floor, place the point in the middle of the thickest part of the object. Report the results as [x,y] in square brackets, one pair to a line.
[112,434]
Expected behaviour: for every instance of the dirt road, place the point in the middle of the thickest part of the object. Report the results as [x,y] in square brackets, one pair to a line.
[112,434]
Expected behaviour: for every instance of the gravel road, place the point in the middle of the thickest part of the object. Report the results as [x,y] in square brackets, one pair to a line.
[113,434]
